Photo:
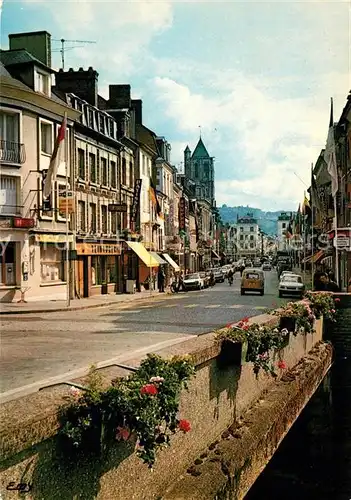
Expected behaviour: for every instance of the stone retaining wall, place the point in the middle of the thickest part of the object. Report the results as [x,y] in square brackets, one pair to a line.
[216,399]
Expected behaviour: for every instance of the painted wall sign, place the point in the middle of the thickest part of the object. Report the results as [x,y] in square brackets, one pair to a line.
[98,249]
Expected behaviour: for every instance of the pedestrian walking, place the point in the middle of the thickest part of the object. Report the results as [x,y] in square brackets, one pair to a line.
[161,280]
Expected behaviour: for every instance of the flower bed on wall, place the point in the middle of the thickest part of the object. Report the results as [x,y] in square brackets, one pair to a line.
[143,407]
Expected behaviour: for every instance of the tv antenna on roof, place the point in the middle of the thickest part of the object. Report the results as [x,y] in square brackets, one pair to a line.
[64,48]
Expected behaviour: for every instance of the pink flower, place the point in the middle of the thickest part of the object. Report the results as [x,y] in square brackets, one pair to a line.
[332,311]
[337,300]
[149,389]
[75,391]
[184,425]
[282,365]
[157,380]
[122,433]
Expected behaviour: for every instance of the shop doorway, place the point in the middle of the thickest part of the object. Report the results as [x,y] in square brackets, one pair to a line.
[7,263]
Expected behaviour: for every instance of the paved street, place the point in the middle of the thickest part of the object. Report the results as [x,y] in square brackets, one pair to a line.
[35,348]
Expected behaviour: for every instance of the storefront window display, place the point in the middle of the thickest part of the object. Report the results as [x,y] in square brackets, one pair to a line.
[111,269]
[52,265]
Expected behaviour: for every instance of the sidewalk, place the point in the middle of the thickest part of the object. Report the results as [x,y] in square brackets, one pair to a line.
[75,305]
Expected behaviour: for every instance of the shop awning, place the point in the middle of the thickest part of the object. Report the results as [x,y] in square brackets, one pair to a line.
[143,254]
[158,258]
[171,262]
[215,254]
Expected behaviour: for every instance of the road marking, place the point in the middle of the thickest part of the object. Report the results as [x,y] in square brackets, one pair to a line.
[191,306]
[128,311]
[83,371]
[213,306]
[170,305]
[260,307]
[236,306]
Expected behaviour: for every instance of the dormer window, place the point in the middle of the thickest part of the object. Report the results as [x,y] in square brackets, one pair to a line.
[42,83]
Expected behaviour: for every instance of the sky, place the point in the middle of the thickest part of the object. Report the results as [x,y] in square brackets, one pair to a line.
[255,77]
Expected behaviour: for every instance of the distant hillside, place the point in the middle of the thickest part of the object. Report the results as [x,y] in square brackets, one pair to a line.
[267,221]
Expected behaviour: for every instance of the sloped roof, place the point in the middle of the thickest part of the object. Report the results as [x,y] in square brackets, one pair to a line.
[4,74]
[20,56]
[147,137]
[200,150]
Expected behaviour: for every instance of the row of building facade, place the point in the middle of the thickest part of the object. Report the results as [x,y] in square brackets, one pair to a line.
[115,233]
[331,217]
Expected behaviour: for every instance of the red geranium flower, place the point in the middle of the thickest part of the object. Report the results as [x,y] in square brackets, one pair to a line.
[184,425]
[150,389]
[282,365]
[122,433]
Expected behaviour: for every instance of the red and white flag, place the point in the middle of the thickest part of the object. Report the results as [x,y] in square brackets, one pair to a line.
[55,158]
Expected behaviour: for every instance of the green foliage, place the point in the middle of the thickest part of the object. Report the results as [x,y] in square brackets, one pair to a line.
[144,406]
[261,339]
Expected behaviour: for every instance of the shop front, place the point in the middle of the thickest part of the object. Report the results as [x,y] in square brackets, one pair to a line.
[147,265]
[99,269]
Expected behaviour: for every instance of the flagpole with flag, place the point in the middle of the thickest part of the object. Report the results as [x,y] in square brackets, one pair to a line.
[330,159]
[48,182]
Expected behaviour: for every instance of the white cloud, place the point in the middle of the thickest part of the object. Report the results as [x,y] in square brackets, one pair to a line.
[122,30]
[274,137]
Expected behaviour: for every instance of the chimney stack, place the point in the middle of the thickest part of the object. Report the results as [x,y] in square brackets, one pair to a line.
[83,83]
[37,43]
[137,105]
[119,97]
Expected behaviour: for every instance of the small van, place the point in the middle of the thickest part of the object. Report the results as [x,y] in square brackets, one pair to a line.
[252,281]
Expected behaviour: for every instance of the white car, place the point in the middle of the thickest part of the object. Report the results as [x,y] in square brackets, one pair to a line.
[218,274]
[285,273]
[291,284]
[193,282]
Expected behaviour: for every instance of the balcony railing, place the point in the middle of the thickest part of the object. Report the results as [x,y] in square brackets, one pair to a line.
[12,152]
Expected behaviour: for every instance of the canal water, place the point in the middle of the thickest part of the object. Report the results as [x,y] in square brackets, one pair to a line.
[314,460]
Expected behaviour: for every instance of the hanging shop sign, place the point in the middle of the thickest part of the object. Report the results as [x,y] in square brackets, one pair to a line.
[98,249]
[136,200]
[66,202]
[118,207]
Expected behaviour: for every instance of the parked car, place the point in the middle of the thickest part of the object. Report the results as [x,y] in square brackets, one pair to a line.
[291,284]
[205,277]
[266,266]
[218,275]
[193,282]
[252,281]
[286,273]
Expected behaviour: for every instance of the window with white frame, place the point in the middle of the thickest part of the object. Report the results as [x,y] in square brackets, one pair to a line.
[51,263]
[42,83]
[104,219]
[113,174]
[104,173]
[81,216]
[46,137]
[9,190]
[9,127]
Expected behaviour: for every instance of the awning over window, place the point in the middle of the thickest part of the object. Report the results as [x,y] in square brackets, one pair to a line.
[158,258]
[216,255]
[171,262]
[143,254]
